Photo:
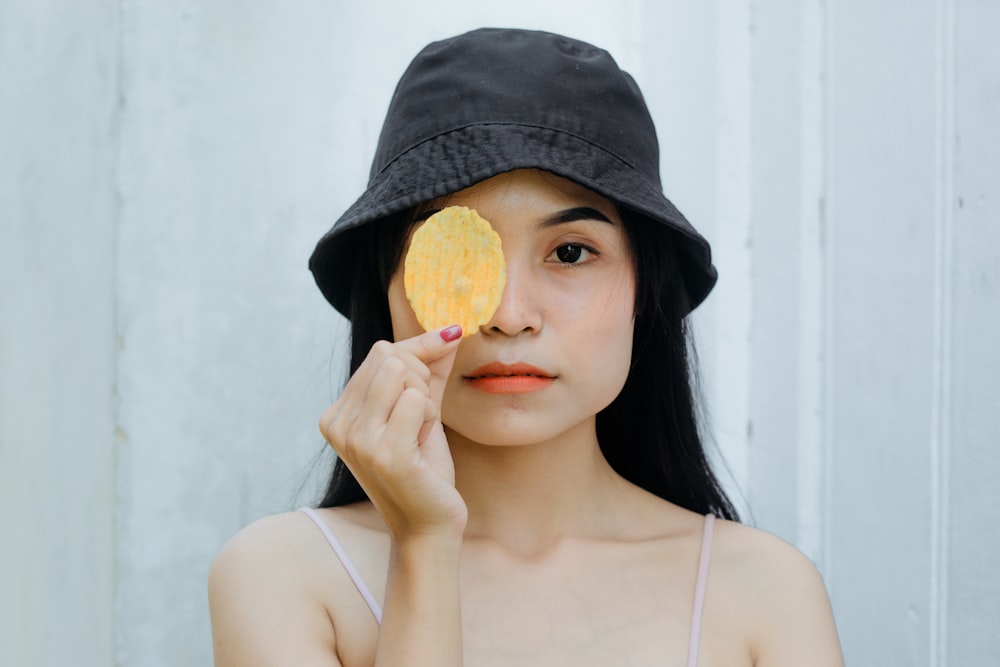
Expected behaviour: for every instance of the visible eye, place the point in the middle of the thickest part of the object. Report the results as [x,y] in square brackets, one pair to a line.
[572,253]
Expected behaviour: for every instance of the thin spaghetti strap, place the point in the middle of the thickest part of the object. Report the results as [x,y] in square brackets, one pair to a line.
[352,571]
[699,590]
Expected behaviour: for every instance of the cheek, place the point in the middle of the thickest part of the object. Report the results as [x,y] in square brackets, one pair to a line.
[617,329]
[618,320]
[603,309]
[601,320]
[404,321]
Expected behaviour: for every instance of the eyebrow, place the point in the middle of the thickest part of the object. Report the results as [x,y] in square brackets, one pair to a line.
[574,214]
[562,217]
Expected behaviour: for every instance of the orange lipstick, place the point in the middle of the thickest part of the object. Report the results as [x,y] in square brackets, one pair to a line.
[497,378]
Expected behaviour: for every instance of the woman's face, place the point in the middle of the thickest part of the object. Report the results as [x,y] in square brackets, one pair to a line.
[557,350]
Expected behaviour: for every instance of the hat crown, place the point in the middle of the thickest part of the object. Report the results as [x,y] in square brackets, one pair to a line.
[519,77]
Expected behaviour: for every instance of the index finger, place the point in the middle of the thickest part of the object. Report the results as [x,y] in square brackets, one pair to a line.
[436,350]
[432,345]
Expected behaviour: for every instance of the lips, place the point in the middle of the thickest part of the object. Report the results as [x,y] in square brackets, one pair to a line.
[497,378]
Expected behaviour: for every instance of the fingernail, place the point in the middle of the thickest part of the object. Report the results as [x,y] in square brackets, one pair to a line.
[451,333]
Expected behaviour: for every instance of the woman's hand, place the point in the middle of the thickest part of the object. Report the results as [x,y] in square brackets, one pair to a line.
[386,427]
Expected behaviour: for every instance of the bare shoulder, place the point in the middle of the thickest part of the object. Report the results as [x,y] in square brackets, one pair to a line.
[270,551]
[267,589]
[745,550]
[263,537]
[776,594]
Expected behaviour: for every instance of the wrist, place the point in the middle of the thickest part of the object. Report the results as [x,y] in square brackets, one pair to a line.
[422,621]
[427,547]
[421,533]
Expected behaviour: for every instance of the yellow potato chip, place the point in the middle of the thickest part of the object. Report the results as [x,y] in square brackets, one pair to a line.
[454,272]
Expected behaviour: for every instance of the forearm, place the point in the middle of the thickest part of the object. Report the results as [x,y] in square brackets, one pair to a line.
[422,622]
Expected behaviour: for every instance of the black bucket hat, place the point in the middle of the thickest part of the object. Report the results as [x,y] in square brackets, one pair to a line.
[494,100]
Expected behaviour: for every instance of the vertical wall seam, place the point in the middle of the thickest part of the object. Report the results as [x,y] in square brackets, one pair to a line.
[732,249]
[116,440]
[633,25]
[826,218]
[810,372]
[941,363]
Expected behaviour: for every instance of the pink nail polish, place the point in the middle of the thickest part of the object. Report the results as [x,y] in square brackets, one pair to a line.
[451,333]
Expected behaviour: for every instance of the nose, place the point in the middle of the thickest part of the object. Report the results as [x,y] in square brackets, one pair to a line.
[519,310]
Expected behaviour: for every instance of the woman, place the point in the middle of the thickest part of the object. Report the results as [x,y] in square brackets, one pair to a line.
[535,493]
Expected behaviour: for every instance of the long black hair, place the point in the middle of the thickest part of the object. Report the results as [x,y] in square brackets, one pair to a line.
[649,434]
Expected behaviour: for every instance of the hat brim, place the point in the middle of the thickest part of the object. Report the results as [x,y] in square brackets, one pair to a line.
[461,158]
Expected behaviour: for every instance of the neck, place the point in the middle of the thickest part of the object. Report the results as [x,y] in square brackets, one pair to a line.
[529,497]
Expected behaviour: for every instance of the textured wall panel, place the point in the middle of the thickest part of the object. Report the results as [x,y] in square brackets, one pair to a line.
[58,101]
[883,102]
[776,241]
[971,425]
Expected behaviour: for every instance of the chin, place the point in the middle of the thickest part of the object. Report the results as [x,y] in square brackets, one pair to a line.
[490,437]
[515,429]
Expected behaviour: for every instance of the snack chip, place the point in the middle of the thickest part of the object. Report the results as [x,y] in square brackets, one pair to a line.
[454,272]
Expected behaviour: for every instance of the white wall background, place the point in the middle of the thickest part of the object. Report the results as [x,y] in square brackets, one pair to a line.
[165,169]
